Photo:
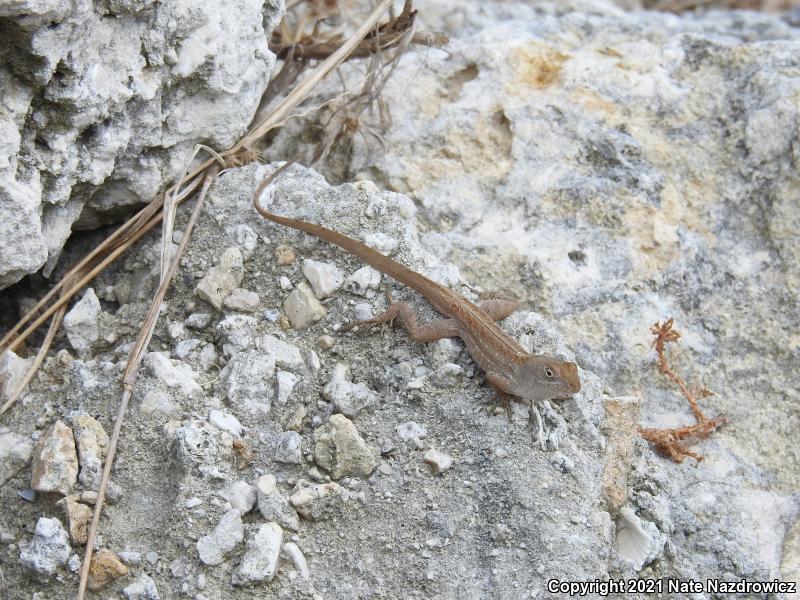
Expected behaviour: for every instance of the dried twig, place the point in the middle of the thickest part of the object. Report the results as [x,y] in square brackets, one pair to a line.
[672,442]
[48,341]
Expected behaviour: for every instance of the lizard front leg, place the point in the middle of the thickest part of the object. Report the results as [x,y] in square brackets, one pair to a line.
[502,388]
[431,332]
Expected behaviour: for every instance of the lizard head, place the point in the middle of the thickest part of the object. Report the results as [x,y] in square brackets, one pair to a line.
[545,378]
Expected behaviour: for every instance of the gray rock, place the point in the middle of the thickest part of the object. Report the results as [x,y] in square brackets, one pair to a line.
[302,307]
[48,550]
[348,398]
[410,430]
[260,556]
[242,300]
[241,496]
[144,588]
[286,382]
[198,320]
[247,380]
[226,422]
[237,333]
[287,356]
[439,461]
[319,501]
[220,281]
[12,371]
[325,278]
[638,542]
[80,322]
[176,375]
[15,452]
[92,442]
[362,281]
[274,506]
[55,461]
[108,100]
[228,534]
[198,442]
[287,449]
[362,311]
[291,550]
[341,451]
[158,401]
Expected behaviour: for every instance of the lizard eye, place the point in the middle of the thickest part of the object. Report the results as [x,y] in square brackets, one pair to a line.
[549,372]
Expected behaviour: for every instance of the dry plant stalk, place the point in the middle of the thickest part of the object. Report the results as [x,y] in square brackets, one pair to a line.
[673,442]
[243,456]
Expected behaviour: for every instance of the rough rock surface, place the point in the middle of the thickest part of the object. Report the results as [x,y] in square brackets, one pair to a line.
[105,568]
[48,550]
[55,461]
[340,450]
[15,453]
[610,169]
[103,102]
[92,442]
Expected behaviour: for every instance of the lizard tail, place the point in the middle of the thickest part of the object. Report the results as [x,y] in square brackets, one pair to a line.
[372,257]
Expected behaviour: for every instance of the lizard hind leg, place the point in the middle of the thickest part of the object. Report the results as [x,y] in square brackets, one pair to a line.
[419,333]
[498,308]
[389,315]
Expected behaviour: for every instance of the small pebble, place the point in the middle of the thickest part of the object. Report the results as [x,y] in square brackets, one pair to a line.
[439,461]
[326,342]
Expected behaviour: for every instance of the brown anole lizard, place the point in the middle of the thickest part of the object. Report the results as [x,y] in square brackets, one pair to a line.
[509,368]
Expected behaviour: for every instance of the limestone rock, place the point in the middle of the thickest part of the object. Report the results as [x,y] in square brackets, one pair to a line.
[260,556]
[318,501]
[248,380]
[12,371]
[241,496]
[226,422]
[198,442]
[55,461]
[341,451]
[287,356]
[325,278]
[288,448]
[439,461]
[364,279]
[105,101]
[221,280]
[302,307]
[228,534]
[242,300]
[48,550]
[349,398]
[92,442]
[80,322]
[175,375]
[15,452]
[144,588]
[274,506]
[291,550]
[286,382]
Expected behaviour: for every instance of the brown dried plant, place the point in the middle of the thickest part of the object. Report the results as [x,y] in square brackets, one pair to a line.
[243,454]
[673,442]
